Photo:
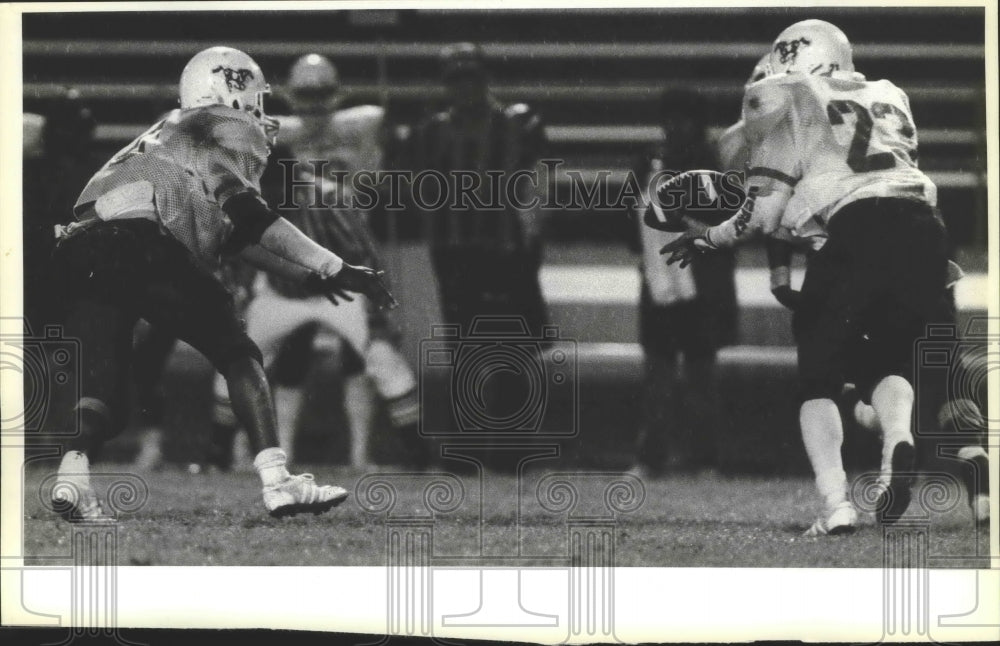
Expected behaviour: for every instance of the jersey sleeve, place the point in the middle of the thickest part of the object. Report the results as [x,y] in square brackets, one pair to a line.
[235,156]
[732,147]
[774,169]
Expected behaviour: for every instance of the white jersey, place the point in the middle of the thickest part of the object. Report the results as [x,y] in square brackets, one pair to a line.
[348,140]
[835,140]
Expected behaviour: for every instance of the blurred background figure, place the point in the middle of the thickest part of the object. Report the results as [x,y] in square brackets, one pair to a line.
[684,316]
[59,158]
[486,260]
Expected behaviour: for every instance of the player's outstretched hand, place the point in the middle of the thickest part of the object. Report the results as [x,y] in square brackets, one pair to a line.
[363,280]
[353,279]
[688,244]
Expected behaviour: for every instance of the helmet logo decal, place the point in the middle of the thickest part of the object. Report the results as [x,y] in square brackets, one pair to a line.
[235,79]
[788,50]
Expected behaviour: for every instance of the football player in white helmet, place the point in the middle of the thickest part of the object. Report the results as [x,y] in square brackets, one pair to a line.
[831,152]
[148,225]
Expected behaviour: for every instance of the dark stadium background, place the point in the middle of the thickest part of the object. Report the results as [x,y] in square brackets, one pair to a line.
[595,76]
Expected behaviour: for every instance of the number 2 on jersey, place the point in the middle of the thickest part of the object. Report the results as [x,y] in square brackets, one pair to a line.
[857,155]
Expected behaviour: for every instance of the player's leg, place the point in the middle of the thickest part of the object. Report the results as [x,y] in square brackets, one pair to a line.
[359,406]
[105,335]
[955,399]
[272,320]
[822,343]
[702,403]
[98,271]
[348,322]
[658,337]
[194,304]
[394,381]
[149,359]
[908,277]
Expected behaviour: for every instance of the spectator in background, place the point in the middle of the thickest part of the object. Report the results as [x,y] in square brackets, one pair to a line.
[486,260]
[684,317]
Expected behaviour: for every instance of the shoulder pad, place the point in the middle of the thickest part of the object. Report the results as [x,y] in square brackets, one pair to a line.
[522,114]
[515,109]
[288,123]
[732,145]
[232,129]
[766,102]
[359,116]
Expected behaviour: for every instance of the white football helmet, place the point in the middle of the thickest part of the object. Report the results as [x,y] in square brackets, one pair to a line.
[314,85]
[226,76]
[812,47]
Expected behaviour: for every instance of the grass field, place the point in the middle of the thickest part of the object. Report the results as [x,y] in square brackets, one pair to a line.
[698,520]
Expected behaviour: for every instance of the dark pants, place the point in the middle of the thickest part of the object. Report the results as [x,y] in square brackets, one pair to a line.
[681,418]
[880,277]
[504,286]
[115,273]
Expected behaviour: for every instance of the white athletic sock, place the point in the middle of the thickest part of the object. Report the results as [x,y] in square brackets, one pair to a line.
[76,467]
[287,406]
[270,465]
[359,406]
[892,400]
[823,434]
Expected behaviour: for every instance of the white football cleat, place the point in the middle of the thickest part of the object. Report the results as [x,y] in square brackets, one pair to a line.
[842,519]
[298,494]
[76,502]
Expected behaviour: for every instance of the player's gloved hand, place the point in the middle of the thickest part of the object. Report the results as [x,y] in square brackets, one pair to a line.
[689,244]
[790,298]
[779,252]
[359,280]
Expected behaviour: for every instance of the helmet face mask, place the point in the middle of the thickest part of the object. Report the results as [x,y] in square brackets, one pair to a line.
[226,76]
[811,47]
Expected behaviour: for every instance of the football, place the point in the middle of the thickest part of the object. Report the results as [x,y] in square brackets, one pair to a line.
[708,196]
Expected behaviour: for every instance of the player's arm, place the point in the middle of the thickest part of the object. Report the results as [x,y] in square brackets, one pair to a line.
[322,271]
[779,263]
[768,192]
[767,197]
